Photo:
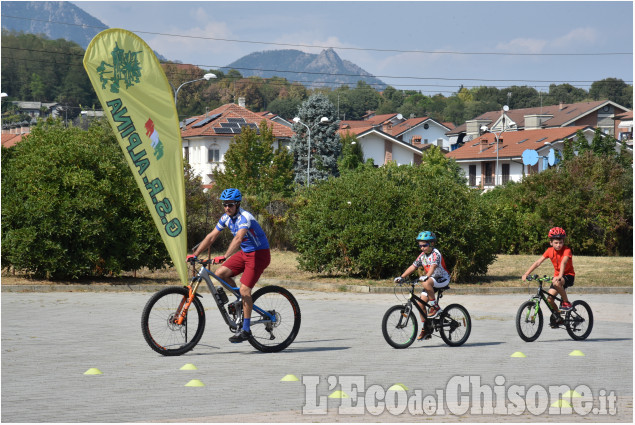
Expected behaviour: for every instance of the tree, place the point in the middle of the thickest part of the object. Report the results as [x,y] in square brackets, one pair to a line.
[252,165]
[565,93]
[71,207]
[325,143]
[613,89]
[365,222]
[352,153]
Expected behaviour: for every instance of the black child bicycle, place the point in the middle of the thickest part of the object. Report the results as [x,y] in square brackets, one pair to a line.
[173,319]
[400,324]
[529,321]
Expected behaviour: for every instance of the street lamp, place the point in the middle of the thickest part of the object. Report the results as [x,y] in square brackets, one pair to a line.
[308,162]
[484,129]
[206,77]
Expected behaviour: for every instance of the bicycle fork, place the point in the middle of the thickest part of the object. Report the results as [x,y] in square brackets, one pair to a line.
[533,312]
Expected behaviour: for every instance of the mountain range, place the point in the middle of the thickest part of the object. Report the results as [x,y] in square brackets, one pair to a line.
[324,69]
[59,19]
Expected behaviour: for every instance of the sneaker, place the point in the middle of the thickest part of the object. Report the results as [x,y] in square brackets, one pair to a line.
[433,311]
[565,306]
[240,336]
[423,335]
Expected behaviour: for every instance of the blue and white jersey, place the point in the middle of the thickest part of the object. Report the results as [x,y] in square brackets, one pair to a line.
[254,240]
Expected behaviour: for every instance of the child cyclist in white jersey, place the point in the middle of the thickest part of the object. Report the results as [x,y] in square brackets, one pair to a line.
[436,274]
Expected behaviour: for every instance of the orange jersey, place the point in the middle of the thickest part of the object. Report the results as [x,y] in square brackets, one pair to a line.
[556,259]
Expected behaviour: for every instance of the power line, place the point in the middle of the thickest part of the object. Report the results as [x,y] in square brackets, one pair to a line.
[338,74]
[333,47]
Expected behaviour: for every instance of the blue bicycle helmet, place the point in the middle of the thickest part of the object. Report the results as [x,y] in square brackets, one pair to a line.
[231,194]
[426,236]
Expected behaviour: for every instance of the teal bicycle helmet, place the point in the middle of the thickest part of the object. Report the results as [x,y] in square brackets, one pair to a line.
[231,195]
[426,236]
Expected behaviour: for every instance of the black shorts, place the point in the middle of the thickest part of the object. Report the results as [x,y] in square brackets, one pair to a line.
[568,281]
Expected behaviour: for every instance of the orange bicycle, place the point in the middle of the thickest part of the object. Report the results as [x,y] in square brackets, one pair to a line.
[173,320]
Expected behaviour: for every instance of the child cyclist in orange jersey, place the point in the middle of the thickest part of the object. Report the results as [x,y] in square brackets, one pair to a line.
[436,274]
[562,259]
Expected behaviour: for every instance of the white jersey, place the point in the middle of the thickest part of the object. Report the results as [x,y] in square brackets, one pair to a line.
[440,274]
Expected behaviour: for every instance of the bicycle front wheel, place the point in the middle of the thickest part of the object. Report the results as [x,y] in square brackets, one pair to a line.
[529,321]
[399,327]
[158,325]
[579,320]
[268,335]
[455,325]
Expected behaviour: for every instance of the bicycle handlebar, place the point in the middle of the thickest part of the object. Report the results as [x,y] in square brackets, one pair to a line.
[539,279]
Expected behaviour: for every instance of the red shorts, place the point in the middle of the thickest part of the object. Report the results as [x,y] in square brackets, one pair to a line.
[250,264]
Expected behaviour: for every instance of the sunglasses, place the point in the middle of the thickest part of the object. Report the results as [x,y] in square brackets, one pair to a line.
[229,204]
[424,245]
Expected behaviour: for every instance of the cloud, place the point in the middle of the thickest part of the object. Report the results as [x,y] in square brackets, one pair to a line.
[577,37]
[522,45]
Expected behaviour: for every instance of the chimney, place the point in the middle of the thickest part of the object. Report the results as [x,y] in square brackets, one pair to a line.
[241,102]
[484,145]
[561,106]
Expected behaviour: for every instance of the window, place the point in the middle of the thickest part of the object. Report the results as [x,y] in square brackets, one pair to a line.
[488,173]
[505,173]
[186,154]
[213,155]
[472,174]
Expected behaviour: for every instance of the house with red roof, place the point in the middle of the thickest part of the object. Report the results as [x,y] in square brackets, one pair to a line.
[599,113]
[382,147]
[390,137]
[206,137]
[497,158]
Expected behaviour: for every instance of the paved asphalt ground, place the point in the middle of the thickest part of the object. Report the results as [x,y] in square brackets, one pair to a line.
[50,339]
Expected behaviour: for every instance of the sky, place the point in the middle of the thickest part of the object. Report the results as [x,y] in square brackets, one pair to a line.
[430,46]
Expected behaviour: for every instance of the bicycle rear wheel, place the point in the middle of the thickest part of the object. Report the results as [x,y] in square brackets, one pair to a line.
[399,328]
[579,320]
[529,321]
[158,325]
[455,325]
[272,336]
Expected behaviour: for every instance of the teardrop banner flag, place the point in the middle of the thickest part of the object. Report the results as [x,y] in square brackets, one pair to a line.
[139,104]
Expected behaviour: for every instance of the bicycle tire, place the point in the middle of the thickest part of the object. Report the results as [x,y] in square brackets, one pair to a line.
[164,336]
[455,325]
[396,333]
[527,326]
[279,301]
[579,315]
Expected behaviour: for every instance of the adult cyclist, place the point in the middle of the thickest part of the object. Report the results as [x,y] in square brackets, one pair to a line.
[248,253]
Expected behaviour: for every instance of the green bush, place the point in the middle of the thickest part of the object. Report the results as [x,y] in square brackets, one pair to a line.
[71,207]
[590,196]
[365,222]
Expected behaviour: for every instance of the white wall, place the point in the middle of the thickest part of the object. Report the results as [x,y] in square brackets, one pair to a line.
[198,152]
[432,134]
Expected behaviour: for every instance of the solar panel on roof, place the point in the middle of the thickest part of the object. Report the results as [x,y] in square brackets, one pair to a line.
[223,130]
[229,124]
[206,120]
[237,120]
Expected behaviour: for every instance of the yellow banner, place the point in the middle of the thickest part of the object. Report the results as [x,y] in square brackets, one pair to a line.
[139,104]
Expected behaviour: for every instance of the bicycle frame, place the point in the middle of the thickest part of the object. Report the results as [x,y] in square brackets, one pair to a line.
[205,274]
[543,295]
[422,310]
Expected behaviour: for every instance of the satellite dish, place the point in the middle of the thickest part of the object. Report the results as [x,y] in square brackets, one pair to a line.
[551,157]
[468,138]
[505,108]
[530,157]
[399,116]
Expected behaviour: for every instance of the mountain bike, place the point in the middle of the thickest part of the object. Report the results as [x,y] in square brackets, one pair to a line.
[173,319]
[400,323]
[529,321]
